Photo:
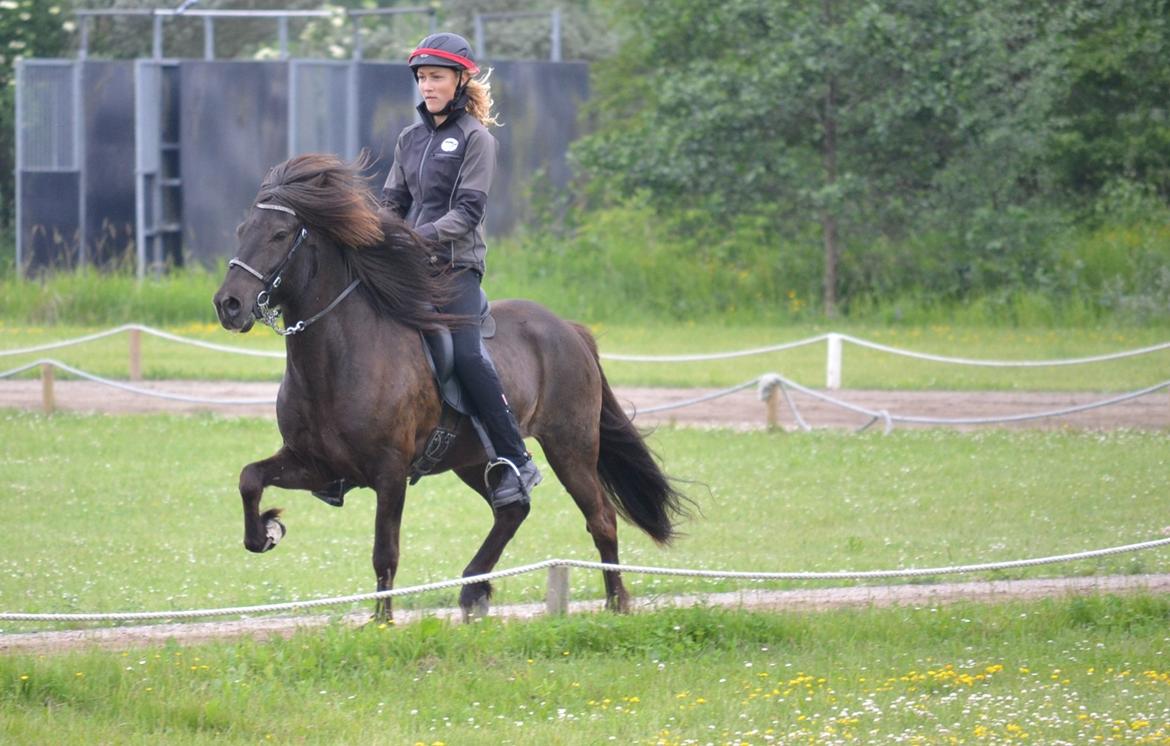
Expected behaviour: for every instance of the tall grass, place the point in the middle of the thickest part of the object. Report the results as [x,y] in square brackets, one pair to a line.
[629,264]
[88,296]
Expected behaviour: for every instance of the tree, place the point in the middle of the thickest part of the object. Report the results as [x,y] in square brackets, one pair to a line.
[28,28]
[867,118]
[1111,119]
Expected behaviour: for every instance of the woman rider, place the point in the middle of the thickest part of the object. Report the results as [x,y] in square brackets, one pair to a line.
[439,184]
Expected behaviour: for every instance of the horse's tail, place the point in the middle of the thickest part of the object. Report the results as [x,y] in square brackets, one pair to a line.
[629,471]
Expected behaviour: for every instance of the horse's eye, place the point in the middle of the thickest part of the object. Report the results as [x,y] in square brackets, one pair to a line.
[280,235]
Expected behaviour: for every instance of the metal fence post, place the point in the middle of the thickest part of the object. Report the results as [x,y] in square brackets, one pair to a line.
[356,23]
[208,37]
[557,599]
[156,45]
[833,362]
[282,31]
[83,46]
[480,51]
[555,42]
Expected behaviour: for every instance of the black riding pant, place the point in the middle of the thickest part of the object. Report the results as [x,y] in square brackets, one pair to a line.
[477,373]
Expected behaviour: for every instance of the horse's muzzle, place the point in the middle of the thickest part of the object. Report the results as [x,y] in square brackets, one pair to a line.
[233,315]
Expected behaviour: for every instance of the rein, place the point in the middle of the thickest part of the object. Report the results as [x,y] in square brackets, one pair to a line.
[262,311]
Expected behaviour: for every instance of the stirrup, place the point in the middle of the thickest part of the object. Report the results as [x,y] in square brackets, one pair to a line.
[498,461]
[521,492]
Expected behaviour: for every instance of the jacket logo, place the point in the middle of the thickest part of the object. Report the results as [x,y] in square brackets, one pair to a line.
[449,144]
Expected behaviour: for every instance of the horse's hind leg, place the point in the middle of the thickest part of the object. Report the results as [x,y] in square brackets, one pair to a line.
[576,468]
[474,598]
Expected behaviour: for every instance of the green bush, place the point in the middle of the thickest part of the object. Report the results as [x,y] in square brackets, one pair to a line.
[87,297]
[628,262]
[1020,268]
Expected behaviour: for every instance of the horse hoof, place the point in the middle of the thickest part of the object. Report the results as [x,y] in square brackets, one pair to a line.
[274,531]
[476,610]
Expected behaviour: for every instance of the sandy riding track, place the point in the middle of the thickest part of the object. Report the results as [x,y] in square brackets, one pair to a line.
[925,596]
[742,410]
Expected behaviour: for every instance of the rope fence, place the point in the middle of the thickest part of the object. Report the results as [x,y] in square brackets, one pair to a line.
[834,342]
[771,389]
[48,364]
[558,592]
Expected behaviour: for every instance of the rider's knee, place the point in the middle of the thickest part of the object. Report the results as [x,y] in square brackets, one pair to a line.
[467,357]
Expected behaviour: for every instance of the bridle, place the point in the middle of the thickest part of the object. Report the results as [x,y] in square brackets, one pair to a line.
[271,282]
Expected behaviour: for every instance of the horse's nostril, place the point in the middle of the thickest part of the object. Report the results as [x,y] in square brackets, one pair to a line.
[232,306]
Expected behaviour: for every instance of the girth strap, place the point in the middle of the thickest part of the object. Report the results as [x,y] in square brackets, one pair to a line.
[437,445]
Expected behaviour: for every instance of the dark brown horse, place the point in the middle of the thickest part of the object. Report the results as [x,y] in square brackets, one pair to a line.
[358,400]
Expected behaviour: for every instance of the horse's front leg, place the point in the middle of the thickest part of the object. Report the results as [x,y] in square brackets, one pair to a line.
[391,489]
[263,531]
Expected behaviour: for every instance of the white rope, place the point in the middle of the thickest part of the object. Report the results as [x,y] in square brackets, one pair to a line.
[768,381]
[642,358]
[582,564]
[146,330]
[764,382]
[130,387]
[696,400]
[209,345]
[66,342]
[884,415]
[714,355]
[1005,363]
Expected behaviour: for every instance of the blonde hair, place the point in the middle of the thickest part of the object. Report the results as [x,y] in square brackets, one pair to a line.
[479,100]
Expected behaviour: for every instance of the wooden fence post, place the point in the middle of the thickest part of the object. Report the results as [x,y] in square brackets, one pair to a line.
[773,404]
[557,599]
[48,399]
[135,355]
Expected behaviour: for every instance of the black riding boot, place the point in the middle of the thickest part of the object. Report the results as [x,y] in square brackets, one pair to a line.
[478,375]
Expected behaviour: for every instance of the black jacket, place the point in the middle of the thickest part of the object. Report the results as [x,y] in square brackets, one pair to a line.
[439,184]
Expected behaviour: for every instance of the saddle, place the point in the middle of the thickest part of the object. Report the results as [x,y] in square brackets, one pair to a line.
[440,354]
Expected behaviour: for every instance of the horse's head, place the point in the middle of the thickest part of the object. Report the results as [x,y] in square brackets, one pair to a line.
[310,199]
[269,239]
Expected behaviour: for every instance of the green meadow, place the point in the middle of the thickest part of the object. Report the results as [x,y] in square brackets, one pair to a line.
[1062,671]
[133,513]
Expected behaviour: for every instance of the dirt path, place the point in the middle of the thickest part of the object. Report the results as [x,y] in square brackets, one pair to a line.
[913,595]
[742,409]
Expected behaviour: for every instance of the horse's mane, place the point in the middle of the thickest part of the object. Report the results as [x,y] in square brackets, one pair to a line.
[334,200]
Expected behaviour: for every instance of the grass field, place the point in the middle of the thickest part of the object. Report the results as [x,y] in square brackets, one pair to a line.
[1064,671]
[122,513]
[863,368]
[115,513]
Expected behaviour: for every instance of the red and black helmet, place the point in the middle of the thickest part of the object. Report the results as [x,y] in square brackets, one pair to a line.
[444,50]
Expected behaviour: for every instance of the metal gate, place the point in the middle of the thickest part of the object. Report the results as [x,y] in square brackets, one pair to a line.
[322,100]
[49,212]
[154,162]
[158,182]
